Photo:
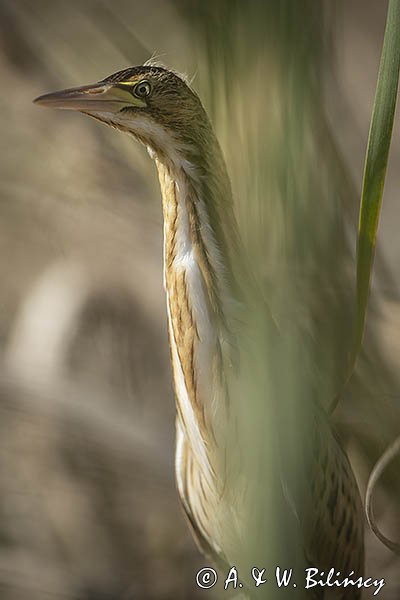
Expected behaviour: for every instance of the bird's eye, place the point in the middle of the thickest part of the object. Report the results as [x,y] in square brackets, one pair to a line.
[142,89]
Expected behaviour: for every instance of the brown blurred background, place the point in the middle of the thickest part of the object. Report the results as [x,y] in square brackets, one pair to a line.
[88,507]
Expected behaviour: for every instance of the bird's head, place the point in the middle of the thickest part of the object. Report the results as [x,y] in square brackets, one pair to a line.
[152,103]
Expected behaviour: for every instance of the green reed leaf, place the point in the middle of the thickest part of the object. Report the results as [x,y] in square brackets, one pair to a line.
[376,160]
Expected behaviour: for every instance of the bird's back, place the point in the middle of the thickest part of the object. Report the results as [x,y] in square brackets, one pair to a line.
[335,539]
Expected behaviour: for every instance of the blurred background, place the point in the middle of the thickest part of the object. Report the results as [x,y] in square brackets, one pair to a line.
[88,507]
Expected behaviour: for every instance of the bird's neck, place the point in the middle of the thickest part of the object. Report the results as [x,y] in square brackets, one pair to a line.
[200,288]
[199,230]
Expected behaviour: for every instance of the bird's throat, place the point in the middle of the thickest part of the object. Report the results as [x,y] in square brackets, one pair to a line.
[194,280]
[199,300]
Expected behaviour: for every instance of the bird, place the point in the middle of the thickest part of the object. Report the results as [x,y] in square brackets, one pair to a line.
[207,283]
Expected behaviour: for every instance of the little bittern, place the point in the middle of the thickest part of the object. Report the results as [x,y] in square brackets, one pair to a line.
[202,260]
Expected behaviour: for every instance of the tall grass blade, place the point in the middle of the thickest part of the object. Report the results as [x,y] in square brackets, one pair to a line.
[376,160]
[380,135]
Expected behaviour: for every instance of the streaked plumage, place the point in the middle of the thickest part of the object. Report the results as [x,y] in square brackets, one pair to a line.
[204,272]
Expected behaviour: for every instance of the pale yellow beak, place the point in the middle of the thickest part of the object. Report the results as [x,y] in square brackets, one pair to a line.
[100,97]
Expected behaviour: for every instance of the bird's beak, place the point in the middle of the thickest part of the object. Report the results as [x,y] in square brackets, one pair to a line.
[100,97]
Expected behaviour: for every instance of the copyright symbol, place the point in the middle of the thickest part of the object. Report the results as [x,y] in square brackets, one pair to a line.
[206,578]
